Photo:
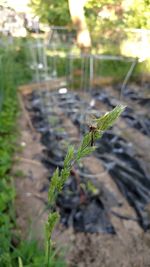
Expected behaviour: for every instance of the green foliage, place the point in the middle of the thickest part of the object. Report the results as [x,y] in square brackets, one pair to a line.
[137,14]
[8,116]
[130,14]
[52,12]
[29,254]
[26,253]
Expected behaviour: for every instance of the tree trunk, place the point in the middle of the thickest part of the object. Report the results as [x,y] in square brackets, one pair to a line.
[76,8]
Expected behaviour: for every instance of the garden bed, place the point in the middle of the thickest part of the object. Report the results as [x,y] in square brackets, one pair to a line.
[108,192]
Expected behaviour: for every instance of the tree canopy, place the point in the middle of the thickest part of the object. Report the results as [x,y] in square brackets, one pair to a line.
[125,13]
[52,12]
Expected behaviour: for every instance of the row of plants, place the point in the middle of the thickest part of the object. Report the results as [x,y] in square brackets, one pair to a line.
[7,144]
[13,71]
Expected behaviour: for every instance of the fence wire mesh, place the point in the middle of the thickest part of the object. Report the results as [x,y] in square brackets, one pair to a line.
[80,71]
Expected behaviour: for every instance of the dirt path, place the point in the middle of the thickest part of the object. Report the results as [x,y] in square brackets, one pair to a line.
[30,201]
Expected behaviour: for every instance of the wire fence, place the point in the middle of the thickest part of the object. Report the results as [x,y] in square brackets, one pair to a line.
[80,71]
[57,56]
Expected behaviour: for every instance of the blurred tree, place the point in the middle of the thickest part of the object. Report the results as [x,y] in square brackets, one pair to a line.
[137,13]
[106,19]
[57,13]
[79,21]
[127,13]
[53,12]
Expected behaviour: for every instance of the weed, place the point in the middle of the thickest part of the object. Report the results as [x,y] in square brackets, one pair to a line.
[60,176]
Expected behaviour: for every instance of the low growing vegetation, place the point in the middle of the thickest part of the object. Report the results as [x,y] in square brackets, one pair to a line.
[13,72]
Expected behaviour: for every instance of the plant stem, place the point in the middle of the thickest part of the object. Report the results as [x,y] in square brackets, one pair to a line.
[48,251]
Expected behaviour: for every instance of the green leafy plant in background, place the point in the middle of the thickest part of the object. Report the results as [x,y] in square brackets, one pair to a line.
[23,253]
[8,117]
[52,12]
[11,62]
[73,157]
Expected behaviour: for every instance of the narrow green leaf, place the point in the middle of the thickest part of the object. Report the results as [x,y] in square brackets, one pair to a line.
[20,262]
